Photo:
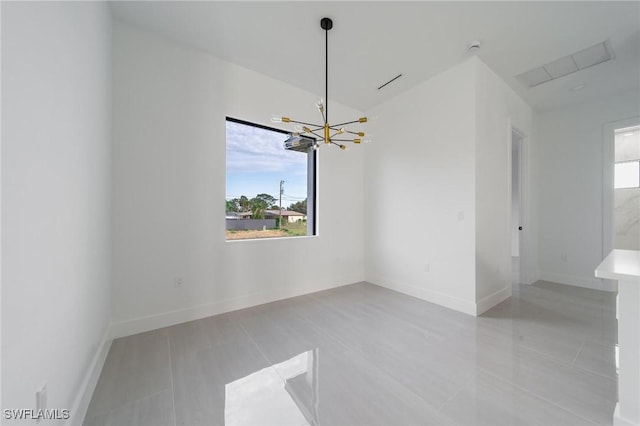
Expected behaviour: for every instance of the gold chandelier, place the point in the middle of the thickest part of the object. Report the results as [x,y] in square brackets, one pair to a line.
[329,131]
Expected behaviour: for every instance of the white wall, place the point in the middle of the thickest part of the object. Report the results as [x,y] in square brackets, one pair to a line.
[438,189]
[56,139]
[170,104]
[420,200]
[498,108]
[569,176]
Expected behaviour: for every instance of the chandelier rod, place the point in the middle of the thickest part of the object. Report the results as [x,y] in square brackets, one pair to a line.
[326,73]
[326,24]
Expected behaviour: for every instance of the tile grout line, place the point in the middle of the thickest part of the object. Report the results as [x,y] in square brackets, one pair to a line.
[266,358]
[456,392]
[173,392]
[257,346]
[535,395]
[595,373]
[568,363]
[127,404]
[578,353]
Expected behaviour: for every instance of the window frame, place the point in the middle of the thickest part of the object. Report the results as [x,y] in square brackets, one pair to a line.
[312,181]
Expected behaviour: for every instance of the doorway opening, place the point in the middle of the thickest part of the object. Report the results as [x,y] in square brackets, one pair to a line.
[517,147]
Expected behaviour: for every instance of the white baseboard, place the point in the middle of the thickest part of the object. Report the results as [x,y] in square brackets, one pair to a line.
[529,278]
[585,282]
[486,303]
[83,398]
[620,421]
[457,304]
[166,319]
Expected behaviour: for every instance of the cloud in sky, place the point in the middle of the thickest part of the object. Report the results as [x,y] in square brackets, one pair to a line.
[251,149]
[257,161]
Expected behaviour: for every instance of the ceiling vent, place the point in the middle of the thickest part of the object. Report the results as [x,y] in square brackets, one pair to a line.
[575,62]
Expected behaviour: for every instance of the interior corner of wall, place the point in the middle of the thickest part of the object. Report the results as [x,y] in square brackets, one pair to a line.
[488,302]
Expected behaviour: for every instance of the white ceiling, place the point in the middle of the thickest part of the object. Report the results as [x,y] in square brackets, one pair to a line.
[372,42]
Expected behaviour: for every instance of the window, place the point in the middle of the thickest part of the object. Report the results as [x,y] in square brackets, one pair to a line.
[627,158]
[270,190]
[627,175]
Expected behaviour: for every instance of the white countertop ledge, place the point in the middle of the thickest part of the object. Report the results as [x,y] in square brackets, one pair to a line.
[620,265]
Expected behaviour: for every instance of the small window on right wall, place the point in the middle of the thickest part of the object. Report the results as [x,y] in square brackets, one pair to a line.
[627,158]
[627,175]
[626,195]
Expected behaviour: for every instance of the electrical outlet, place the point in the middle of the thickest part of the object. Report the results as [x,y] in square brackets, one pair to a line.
[563,257]
[177,282]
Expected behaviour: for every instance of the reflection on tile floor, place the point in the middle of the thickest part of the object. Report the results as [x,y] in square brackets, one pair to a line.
[365,355]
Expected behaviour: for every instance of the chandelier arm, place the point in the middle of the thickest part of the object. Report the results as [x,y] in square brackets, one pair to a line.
[345,123]
[317,135]
[307,124]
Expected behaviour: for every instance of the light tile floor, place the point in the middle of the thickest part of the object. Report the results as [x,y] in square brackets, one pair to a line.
[365,355]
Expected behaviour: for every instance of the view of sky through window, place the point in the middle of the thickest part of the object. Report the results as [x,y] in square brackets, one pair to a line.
[257,162]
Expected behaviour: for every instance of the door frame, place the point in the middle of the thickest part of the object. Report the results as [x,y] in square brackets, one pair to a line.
[523,216]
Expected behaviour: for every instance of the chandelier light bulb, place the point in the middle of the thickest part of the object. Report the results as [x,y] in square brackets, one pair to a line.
[279,119]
